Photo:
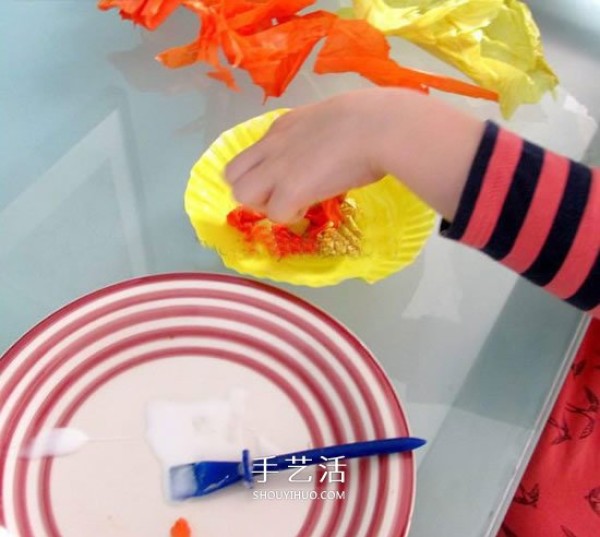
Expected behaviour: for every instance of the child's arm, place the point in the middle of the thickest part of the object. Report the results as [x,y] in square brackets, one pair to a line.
[535,211]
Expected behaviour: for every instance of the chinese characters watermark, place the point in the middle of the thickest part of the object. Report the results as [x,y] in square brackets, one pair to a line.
[331,470]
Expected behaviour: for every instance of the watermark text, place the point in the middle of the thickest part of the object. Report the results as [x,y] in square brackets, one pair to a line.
[298,495]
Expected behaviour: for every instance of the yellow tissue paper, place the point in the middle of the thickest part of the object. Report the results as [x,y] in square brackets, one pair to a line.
[495,42]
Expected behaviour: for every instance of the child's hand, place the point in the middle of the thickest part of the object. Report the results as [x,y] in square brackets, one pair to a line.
[310,154]
[325,149]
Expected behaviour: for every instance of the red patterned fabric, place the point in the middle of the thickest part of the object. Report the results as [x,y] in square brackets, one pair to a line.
[559,495]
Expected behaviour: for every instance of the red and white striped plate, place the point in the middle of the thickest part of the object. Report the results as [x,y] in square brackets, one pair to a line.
[96,363]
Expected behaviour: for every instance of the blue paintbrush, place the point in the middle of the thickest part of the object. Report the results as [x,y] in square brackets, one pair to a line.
[201,478]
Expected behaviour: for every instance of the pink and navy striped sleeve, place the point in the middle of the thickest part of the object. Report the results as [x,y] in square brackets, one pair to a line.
[537,213]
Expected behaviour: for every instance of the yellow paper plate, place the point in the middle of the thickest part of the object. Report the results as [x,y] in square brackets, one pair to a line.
[394,223]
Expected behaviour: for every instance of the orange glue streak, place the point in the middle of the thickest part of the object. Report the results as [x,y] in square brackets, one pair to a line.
[181,528]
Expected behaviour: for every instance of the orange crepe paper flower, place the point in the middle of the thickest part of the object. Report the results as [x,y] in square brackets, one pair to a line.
[273,67]
[272,56]
[271,41]
[356,46]
[251,16]
[213,32]
[148,13]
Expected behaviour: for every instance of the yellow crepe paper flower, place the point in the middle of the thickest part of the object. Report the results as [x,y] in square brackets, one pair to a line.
[388,226]
[494,42]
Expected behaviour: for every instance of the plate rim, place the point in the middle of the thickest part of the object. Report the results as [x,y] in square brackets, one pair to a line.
[207,276]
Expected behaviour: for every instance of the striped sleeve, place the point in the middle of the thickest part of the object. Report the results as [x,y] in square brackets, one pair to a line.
[537,213]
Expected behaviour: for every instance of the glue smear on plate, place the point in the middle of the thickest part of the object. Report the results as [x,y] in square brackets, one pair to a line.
[213,429]
[55,443]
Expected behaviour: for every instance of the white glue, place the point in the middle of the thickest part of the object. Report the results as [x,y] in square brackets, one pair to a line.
[56,443]
[184,432]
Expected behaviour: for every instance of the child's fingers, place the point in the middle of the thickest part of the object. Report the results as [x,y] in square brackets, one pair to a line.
[288,202]
[244,162]
[254,187]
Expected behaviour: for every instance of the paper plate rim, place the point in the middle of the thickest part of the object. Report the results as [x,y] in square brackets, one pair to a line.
[211,163]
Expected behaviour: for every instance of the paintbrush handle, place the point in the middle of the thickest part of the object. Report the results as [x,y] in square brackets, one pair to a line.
[354,450]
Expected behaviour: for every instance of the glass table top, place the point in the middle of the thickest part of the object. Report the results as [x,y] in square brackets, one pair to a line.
[96,144]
